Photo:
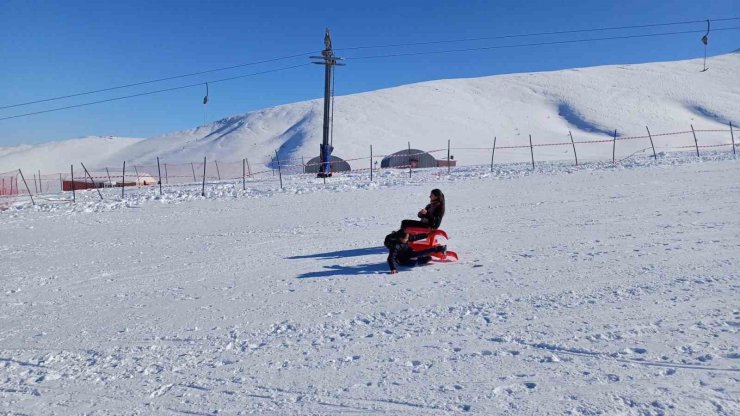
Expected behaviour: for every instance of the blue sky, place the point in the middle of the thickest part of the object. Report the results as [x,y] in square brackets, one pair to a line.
[53,48]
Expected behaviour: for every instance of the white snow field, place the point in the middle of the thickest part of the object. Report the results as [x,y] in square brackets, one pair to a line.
[592,290]
[590,102]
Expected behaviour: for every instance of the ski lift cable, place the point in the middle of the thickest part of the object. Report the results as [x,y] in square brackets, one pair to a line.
[358,48]
[156,80]
[152,92]
[563,32]
[560,42]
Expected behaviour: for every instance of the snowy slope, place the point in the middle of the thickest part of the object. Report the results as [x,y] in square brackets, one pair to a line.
[592,102]
[594,290]
[56,157]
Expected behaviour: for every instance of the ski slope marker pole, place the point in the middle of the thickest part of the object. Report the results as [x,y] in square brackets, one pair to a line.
[159,172]
[614,147]
[244,174]
[493,152]
[123,179]
[166,176]
[203,189]
[280,171]
[531,150]
[448,156]
[651,142]
[110,182]
[27,188]
[192,167]
[732,134]
[35,187]
[409,159]
[72,175]
[696,142]
[371,163]
[218,172]
[92,181]
[574,146]
[249,169]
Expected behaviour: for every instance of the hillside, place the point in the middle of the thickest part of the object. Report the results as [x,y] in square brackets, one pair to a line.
[591,102]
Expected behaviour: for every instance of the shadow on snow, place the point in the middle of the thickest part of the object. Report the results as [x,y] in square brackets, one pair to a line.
[343,253]
[340,270]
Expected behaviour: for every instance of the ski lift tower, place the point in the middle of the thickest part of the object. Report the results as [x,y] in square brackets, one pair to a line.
[327,59]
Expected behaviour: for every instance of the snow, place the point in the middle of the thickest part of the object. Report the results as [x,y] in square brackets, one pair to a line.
[598,289]
[55,157]
[590,102]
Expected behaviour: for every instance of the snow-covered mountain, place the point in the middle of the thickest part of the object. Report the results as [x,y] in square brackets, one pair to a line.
[591,102]
[57,156]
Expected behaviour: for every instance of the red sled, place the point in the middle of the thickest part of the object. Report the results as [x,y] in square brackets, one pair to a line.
[431,241]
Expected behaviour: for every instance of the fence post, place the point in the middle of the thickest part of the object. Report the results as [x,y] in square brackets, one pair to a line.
[371,162]
[493,152]
[249,169]
[531,150]
[41,189]
[159,172]
[696,142]
[651,143]
[110,182]
[136,170]
[203,189]
[218,172]
[123,179]
[92,180]
[280,172]
[35,187]
[732,134]
[72,175]
[61,183]
[448,156]
[574,146]
[409,159]
[193,168]
[614,148]
[303,163]
[244,174]
[166,177]
[27,188]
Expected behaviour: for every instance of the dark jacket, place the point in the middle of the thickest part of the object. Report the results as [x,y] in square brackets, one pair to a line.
[433,217]
[398,252]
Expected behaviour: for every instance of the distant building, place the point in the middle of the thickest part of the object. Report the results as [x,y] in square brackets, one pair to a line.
[80,184]
[404,158]
[337,165]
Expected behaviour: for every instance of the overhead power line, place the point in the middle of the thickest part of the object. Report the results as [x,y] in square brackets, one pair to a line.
[152,92]
[442,41]
[524,35]
[521,45]
[358,58]
[135,84]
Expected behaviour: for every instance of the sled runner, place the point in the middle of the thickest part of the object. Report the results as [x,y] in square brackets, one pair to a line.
[431,241]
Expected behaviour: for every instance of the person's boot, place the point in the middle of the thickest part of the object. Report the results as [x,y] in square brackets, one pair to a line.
[423,260]
[442,249]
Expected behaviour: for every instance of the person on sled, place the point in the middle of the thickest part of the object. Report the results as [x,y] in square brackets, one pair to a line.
[400,253]
[431,215]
